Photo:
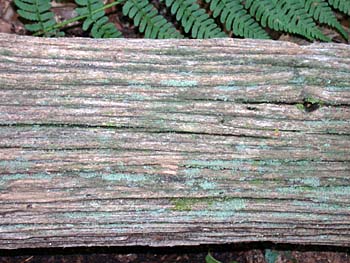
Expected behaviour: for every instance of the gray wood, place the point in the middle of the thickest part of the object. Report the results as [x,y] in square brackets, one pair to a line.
[173,142]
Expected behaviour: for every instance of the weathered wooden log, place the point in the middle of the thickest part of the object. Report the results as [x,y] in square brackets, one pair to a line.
[173,142]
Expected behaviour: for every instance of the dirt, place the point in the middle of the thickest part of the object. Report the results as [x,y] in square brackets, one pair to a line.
[239,253]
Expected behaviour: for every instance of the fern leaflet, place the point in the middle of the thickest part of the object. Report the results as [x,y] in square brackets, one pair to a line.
[320,11]
[146,17]
[101,28]
[285,15]
[265,12]
[236,18]
[194,19]
[38,11]
[297,19]
[342,5]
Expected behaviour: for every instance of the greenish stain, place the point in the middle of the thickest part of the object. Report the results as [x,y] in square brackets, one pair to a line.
[257,182]
[14,165]
[220,208]
[13,177]
[241,147]
[87,214]
[179,83]
[297,80]
[184,204]
[313,181]
[186,73]
[138,84]
[264,147]
[299,215]
[206,185]
[10,177]
[223,207]
[88,175]
[110,124]
[158,212]
[106,81]
[6,52]
[314,101]
[213,164]
[251,88]
[293,189]
[228,88]
[320,192]
[243,165]
[321,206]
[124,177]
[300,107]
[176,52]
[135,83]
[341,190]
[337,88]
[137,97]
[6,60]
[191,172]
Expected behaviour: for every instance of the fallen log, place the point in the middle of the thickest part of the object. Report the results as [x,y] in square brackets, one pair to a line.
[173,142]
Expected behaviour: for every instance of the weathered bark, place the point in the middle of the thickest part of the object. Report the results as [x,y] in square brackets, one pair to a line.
[173,142]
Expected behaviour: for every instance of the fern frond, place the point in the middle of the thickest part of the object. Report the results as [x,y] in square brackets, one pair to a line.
[236,18]
[101,28]
[298,20]
[265,12]
[341,5]
[285,15]
[39,12]
[146,17]
[194,19]
[321,12]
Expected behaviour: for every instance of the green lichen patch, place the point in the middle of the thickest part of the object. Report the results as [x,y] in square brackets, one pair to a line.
[228,88]
[313,181]
[314,101]
[6,52]
[15,165]
[179,83]
[208,205]
[184,204]
[124,177]
[300,106]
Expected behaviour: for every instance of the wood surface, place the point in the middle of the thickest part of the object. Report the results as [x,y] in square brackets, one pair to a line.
[173,142]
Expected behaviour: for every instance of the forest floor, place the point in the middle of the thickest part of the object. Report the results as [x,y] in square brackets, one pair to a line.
[240,253]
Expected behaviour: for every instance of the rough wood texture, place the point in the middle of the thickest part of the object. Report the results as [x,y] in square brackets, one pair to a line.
[173,142]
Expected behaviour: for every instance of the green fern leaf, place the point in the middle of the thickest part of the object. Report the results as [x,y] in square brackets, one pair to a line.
[96,19]
[236,18]
[39,12]
[146,17]
[321,12]
[194,19]
[285,15]
[265,12]
[298,20]
[341,5]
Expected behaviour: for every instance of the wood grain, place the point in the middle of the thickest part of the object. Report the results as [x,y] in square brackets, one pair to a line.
[173,142]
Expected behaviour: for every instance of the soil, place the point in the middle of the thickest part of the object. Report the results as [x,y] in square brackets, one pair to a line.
[241,253]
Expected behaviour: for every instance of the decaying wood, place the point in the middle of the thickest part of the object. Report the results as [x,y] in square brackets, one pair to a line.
[173,142]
